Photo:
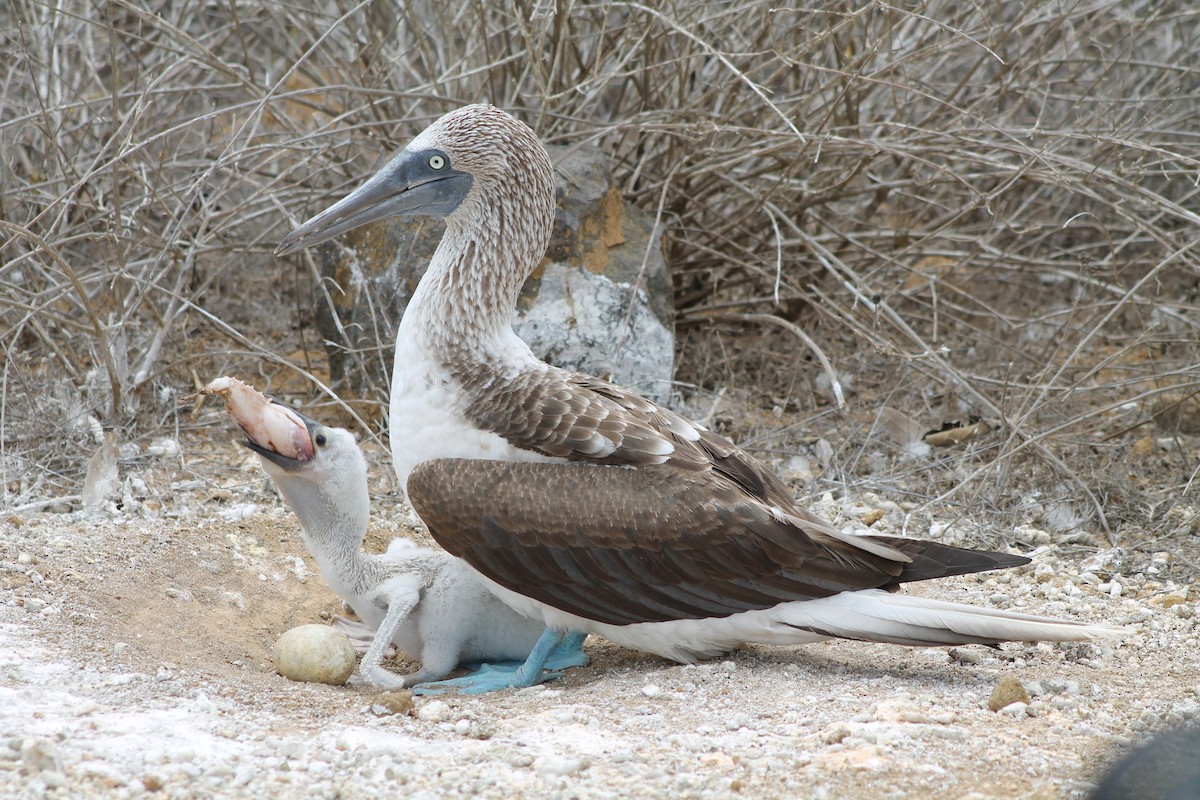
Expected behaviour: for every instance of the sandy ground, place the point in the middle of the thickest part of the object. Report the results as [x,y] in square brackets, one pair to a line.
[135,660]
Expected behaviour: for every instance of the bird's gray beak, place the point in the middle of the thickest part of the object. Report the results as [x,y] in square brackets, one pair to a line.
[407,185]
[285,462]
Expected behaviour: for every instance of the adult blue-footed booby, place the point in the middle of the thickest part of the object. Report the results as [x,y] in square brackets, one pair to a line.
[585,505]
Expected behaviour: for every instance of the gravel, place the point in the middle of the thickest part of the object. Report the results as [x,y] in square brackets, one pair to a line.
[135,654]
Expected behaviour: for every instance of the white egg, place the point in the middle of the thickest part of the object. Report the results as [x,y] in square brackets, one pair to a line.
[315,654]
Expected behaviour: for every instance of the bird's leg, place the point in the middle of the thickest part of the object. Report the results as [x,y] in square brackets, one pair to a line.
[569,653]
[370,668]
[491,677]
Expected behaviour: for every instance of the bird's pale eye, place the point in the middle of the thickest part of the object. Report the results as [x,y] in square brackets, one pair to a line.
[437,162]
[319,440]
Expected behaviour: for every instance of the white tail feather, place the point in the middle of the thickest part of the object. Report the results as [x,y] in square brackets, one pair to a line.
[878,616]
[868,615]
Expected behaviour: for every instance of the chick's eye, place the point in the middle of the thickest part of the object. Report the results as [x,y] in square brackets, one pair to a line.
[319,440]
[437,162]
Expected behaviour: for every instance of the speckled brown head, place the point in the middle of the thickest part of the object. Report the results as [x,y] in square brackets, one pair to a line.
[477,167]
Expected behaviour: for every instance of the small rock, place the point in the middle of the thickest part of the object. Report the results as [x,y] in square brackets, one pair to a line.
[315,654]
[896,711]
[165,446]
[39,756]
[560,765]
[824,452]
[1061,686]
[1017,709]
[1143,447]
[650,690]
[34,604]
[399,701]
[1008,691]
[1031,535]
[964,656]
[480,731]
[103,479]
[871,517]
[835,734]
[433,711]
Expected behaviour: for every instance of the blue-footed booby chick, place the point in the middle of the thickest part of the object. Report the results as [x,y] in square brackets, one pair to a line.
[584,505]
[425,601]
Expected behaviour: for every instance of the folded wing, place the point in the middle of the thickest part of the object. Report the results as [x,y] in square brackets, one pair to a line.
[656,543]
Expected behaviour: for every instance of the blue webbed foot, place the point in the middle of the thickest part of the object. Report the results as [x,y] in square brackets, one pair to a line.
[553,649]
[568,654]
[488,678]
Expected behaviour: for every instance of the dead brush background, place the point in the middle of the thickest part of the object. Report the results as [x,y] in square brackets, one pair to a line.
[975,210]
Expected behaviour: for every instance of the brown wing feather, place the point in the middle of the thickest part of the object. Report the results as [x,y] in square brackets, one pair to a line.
[581,418]
[562,414]
[650,544]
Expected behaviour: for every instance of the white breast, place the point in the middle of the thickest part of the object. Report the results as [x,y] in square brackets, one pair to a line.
[426,418]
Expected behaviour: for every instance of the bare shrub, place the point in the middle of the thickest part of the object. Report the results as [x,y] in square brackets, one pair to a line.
[980,209]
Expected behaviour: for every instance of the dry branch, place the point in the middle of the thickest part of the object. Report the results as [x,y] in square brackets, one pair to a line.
[998,198]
